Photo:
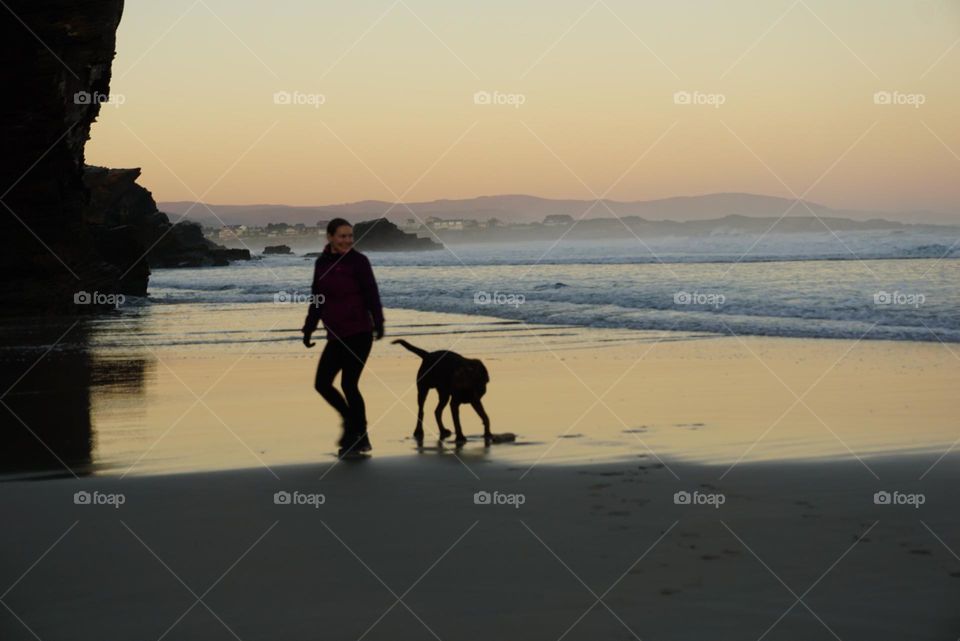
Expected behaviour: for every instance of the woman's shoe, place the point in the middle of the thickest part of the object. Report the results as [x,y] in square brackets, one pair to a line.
[346,453]
[356,435]
[363,444]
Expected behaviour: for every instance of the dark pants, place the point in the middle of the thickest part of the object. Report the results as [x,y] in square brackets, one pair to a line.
[347,356]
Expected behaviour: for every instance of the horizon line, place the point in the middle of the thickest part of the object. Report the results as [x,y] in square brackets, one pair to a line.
[547,198]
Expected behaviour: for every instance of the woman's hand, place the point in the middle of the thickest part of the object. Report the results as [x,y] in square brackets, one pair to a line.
[306,340]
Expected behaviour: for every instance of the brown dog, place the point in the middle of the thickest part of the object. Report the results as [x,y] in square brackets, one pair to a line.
[457,380]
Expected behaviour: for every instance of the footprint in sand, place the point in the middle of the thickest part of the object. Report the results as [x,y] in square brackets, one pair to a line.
[955,575]
[921,552]
[709,557]
[668,591]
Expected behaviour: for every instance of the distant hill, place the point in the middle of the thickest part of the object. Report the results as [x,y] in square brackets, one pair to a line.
[520,208]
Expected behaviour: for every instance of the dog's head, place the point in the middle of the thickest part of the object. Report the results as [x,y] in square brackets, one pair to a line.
[471,378]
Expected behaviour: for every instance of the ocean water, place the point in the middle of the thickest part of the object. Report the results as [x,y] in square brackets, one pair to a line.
[877,285]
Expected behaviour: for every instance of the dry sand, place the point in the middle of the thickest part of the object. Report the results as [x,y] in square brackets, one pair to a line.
[411,530]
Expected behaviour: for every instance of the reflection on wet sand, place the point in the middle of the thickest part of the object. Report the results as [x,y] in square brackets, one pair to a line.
[51,373]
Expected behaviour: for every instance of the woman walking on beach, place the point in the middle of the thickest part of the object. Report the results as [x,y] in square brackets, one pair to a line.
[346,299]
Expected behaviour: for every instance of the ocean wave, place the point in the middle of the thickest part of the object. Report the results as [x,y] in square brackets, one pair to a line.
[593,285]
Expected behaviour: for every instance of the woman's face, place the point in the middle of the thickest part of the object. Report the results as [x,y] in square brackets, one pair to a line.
[342,240]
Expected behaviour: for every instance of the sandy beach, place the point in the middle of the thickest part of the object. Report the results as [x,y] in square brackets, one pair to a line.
[399,549]
[584,534]
[697,270]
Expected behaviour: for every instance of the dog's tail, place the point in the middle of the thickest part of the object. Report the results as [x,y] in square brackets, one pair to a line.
[416,350]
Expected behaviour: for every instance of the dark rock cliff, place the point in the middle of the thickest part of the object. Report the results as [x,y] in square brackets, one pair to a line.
[52,51]
[56,239]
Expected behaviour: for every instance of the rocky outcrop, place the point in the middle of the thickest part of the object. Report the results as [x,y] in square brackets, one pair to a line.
[134,235]
[283,250]
[383,235]
[185,246]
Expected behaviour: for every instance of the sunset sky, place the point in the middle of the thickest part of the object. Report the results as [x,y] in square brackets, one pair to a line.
[195,84]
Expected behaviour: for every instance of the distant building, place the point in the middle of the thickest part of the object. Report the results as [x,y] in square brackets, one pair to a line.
[453,224]
[230,232]
[410,225]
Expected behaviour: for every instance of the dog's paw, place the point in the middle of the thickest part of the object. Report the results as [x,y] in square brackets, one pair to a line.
[445,434]
[460,440]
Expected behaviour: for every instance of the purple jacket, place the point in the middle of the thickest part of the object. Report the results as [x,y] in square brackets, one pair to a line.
[345,294]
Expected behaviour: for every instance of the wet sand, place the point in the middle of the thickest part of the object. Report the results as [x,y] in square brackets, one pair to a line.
[570,394]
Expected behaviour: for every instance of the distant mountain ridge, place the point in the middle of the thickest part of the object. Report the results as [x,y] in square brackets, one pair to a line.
[525,209]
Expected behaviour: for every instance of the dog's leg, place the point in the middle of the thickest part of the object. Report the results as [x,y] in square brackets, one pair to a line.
[478,406]
[421,399]
[444,432]
[455,410]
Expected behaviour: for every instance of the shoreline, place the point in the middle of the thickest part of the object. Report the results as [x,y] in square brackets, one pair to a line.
[892,300]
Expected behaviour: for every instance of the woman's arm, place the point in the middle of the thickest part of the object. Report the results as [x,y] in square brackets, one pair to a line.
[315,306]
[371,295]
